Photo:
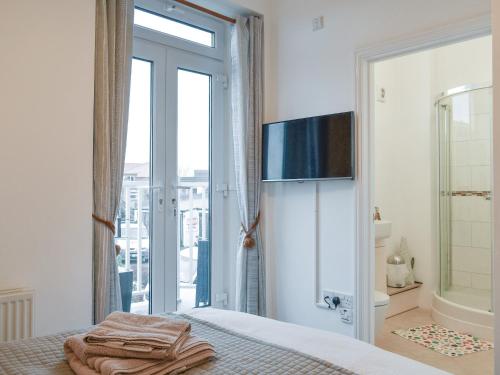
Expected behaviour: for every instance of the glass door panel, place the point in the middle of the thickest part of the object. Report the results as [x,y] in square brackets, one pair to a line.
[193,188]
[133,222]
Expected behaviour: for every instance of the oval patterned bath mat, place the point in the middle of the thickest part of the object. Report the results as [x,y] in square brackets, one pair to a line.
[444,340]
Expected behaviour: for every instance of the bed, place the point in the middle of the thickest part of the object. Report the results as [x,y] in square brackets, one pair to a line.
[245,344]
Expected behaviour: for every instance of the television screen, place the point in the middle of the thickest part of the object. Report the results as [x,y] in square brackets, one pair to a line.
[313,148]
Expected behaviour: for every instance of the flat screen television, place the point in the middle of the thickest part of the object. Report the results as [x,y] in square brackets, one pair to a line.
[313,148]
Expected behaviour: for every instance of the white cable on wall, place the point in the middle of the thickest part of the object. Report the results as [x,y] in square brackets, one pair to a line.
[317,297]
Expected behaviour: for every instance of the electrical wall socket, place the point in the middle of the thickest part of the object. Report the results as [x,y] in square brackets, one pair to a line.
[318,23]
[346,315]
[346,300]
[345,308]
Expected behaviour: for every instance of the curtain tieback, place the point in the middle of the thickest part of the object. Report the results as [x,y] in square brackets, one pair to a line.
[249,242]
[111,227]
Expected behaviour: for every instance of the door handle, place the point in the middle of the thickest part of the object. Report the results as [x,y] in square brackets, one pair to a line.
[160,198]
[174,206]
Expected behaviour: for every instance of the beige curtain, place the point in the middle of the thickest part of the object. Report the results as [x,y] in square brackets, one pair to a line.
[113,60]
[247,115]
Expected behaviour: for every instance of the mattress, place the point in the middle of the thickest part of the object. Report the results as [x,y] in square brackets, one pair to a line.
[235,354]
[347,352]
[245,344]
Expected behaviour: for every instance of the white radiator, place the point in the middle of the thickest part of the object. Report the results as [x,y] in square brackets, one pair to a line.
[16,314]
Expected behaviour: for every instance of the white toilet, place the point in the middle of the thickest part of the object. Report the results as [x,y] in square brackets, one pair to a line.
[381,306]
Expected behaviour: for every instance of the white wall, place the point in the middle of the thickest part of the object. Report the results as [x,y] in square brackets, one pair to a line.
[463,63]
[406,157]
[46,105]
[314,73]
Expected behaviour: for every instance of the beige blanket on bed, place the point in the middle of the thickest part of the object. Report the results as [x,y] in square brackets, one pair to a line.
[137,336]
[236,354]
[192,352]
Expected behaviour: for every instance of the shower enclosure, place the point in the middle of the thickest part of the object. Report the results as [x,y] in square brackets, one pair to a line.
[464,117]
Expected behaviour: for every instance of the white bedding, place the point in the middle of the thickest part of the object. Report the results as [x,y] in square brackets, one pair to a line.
[352,354]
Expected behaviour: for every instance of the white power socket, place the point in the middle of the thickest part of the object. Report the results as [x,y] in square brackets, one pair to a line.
[346,300]
[318,23]
[345,308]
[346,315]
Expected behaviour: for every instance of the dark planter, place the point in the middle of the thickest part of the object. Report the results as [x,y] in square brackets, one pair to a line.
[126,285]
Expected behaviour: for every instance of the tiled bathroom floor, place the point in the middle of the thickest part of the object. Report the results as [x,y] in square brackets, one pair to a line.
[470,364]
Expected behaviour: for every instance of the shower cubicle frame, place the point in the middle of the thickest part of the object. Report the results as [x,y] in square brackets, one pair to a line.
[469,88]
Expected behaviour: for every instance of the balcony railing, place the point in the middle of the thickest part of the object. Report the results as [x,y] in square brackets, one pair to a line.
[133,235]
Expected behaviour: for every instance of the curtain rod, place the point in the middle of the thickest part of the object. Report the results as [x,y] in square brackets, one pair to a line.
[206,10]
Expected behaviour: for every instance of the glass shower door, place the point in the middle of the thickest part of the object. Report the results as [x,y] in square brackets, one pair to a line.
[465,118]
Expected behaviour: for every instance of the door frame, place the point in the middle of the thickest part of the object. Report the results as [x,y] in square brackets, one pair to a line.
[365,229]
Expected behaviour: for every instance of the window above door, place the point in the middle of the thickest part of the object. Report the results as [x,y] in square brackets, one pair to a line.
[175,25]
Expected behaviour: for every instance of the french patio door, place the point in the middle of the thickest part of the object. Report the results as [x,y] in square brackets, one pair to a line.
[186,143]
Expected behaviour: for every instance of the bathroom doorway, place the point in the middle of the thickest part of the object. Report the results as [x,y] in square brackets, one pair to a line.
[432,121]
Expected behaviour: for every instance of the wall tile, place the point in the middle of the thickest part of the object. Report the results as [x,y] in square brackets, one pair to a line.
[460,257]
[460,153]
[480,127]
[480,209]
[460,278]
[460,233]
[480,281]
[461,178]
[460,131]
[470,259]
[470,208]
[461,208]
[480,178]
[481,235]
[479,153]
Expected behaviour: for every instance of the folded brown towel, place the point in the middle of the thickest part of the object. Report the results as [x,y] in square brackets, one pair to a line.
[193,352]
[137,336]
